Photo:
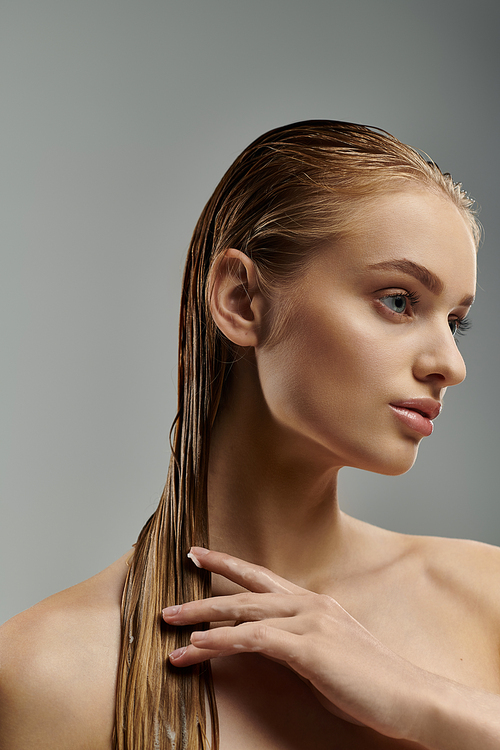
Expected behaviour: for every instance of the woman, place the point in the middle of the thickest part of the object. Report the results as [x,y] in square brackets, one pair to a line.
[326,281]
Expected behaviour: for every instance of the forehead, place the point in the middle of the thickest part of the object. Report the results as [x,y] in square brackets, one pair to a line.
[418,225]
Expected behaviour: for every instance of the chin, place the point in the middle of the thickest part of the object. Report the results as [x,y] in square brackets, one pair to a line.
[394,472]
[391,464]
[394,469]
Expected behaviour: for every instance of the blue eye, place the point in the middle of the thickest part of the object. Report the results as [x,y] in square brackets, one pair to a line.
[395,302]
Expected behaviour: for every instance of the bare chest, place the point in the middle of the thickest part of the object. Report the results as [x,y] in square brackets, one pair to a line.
[264,706]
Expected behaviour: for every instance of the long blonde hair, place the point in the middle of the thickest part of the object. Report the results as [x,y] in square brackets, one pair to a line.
[291,189]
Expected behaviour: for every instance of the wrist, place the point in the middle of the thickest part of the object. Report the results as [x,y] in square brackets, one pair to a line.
[449,716]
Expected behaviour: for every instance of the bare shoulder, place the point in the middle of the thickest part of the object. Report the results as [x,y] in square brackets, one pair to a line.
[58,663]
[459,570]
[469,569]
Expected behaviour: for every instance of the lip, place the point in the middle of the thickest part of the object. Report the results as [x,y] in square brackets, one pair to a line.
[417,413]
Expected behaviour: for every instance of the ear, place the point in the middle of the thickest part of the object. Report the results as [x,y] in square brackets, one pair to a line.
[236,302]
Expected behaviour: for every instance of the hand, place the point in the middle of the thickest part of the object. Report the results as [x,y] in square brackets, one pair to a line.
[355,676]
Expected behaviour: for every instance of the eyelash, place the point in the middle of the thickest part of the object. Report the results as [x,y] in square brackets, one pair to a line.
[462,324]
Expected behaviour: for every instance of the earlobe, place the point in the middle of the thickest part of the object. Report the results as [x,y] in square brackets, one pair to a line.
[236,300]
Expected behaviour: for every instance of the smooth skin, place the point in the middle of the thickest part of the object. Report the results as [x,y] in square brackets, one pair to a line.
[354,675]
[359,637]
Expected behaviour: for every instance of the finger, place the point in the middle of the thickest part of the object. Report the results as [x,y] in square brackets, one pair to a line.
[260,638]
[256,637]
[188,655]
[252,577]
[236,607]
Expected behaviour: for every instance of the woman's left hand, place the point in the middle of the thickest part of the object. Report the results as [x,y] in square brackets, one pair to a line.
[355,675]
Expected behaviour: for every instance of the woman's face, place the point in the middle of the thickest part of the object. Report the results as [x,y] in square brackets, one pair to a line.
[370,340]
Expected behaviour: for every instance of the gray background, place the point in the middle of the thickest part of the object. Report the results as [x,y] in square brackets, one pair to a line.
[118,118]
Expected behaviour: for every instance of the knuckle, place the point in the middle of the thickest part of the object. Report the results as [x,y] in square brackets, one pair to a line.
[325,602]
[322,611]
[260,634]
[245,599]
[250,607]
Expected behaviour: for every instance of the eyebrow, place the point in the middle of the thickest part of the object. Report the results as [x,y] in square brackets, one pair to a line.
[431,282]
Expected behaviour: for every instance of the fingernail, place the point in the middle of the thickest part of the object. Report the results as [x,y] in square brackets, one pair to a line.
[171,611]
[199,635]
[177,653]
[196,552]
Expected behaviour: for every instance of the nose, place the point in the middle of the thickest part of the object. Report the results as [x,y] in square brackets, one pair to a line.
[440,360]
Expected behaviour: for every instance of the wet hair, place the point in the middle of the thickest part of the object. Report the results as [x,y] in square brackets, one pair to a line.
[291,190]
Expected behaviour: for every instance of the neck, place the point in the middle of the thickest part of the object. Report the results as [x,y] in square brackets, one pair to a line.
[272,497]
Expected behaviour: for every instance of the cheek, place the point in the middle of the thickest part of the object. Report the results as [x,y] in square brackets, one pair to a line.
[326,364]
[343,346]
